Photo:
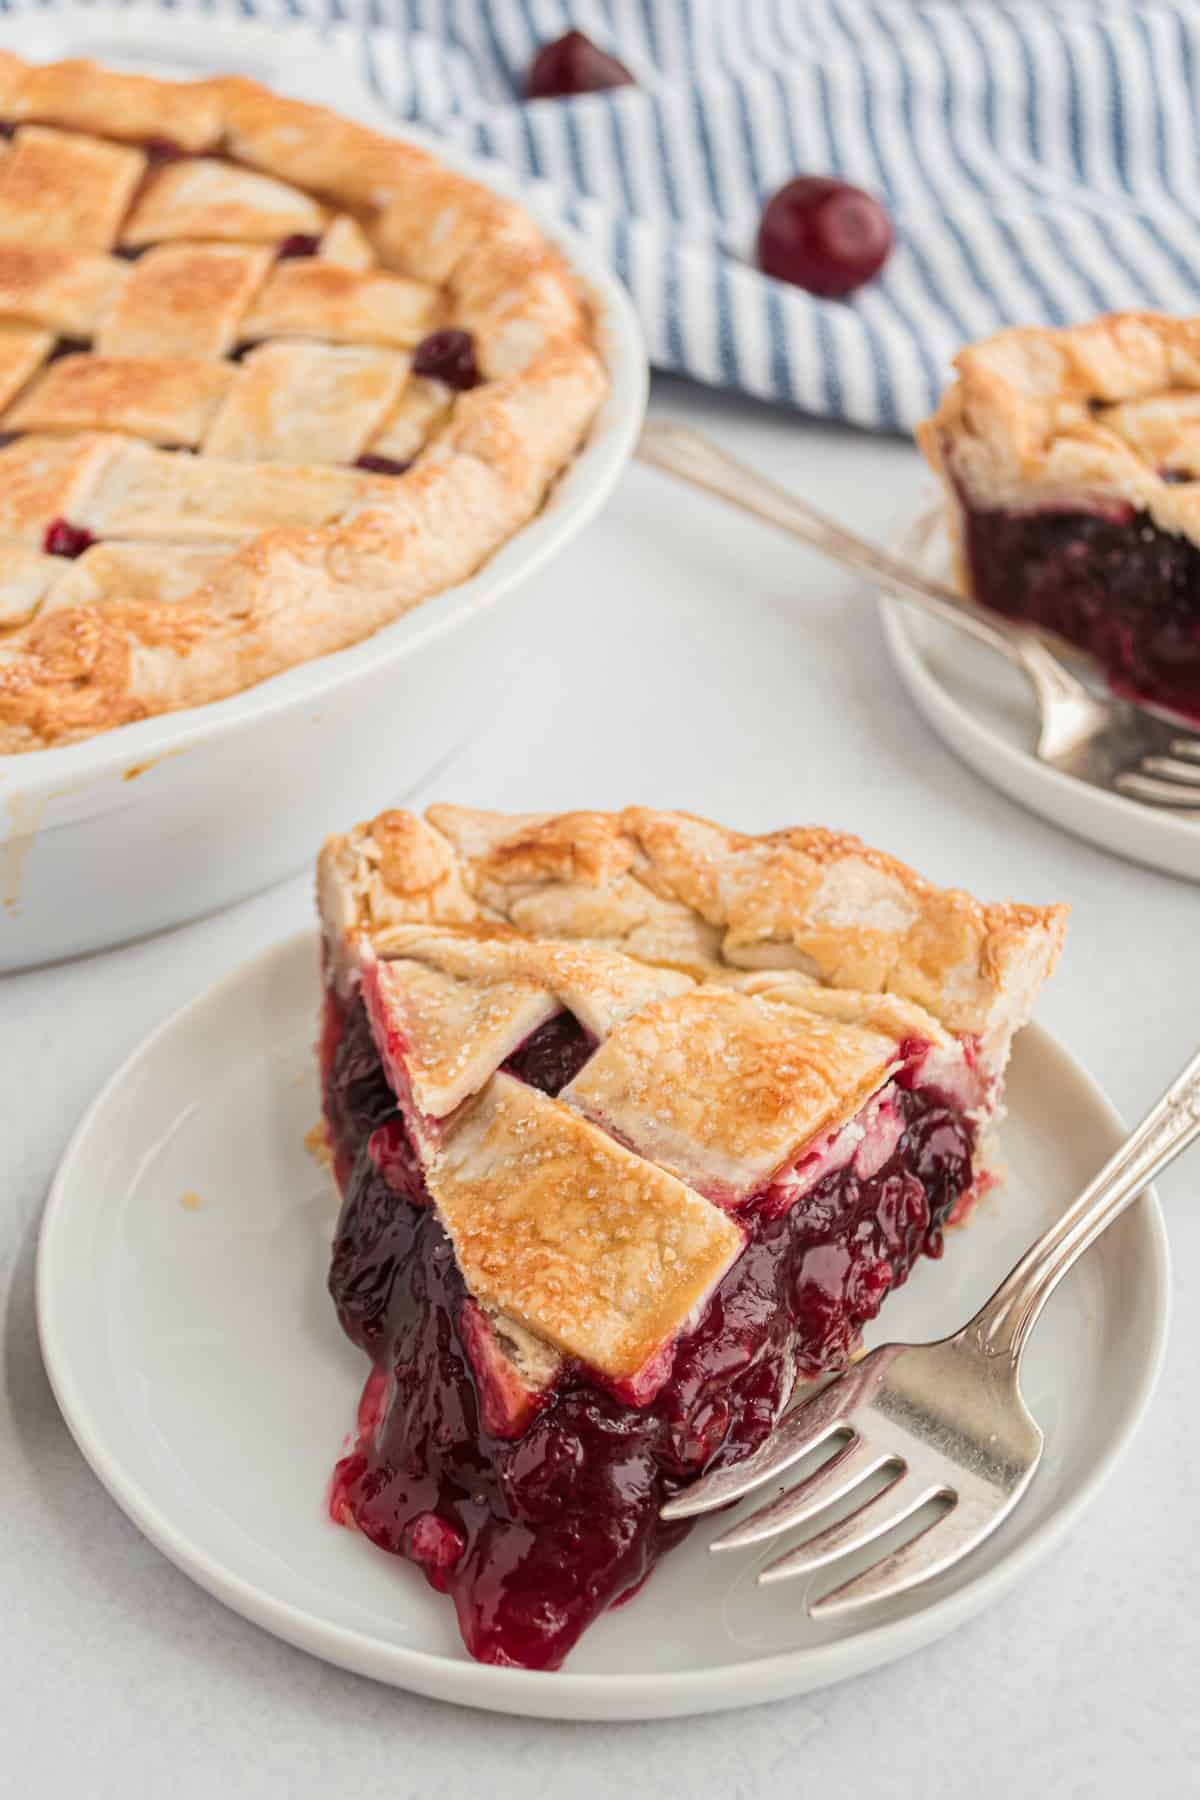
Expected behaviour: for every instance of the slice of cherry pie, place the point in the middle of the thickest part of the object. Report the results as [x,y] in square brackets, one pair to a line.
[636,1122]
[1072,462]
[268,379]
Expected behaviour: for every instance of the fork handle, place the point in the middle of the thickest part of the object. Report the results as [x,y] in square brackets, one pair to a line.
[1001,1327]
[1067,713]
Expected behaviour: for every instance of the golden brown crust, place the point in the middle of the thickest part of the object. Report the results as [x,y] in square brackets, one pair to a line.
[84,96]
[183,300]
[723,1087]
[592,1218]
[675,890]
[336,575]
[1081,416]
[588,1246]
[167,400]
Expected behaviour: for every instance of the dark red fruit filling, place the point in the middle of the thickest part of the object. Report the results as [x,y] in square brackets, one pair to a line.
[63,539]
[300,243]
[1116,586]
[382,465]
[823,235]
[554,1054]
[160,150]
[573,65]
[447,356]
[535,1535]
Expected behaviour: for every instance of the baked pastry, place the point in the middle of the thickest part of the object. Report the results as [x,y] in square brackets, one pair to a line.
[636,1122]
[1071,461]
[268,379]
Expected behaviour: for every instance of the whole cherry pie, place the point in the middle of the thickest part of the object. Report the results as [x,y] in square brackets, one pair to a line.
[267,380]
[1072,463]
[636,1122]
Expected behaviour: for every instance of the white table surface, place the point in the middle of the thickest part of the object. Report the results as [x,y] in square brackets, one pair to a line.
[683,657]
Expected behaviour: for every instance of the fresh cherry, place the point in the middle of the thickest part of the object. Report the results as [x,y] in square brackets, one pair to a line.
[64,539]
[382,465]
[300,243]
[573,65]
[823,235]
[447,356]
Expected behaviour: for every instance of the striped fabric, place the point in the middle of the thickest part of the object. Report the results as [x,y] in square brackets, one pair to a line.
[1040,161]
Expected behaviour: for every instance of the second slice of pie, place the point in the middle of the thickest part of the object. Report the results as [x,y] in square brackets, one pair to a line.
[636,1123]
[1071,460]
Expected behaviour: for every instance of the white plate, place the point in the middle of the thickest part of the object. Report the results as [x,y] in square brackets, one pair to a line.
[982,708]
[200,1367]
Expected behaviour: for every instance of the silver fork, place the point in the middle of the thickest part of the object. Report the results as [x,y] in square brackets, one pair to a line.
[946,1420]
[1110,743]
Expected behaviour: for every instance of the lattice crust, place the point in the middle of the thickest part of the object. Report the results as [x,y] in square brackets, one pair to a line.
[212,270]
[585,1244]
[816,970]
[1106,413]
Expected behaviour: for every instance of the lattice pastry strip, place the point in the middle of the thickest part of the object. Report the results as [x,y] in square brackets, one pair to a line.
[741,1083]
[184,300]
[421,410]
[26,578]
[310,403]
[146,494]
[310,298]
[66,291]
[585,1244]
[145,574]
[23,350]
[58,188]
[441,1037]
[204,198]
[45,477]
[345,244]
[169,400]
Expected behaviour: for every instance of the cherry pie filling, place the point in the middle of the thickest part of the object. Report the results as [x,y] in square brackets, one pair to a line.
[535,1525]
[1114,584]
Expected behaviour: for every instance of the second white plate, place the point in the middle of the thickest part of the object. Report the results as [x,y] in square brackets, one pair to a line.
[981,707]
[196,1357]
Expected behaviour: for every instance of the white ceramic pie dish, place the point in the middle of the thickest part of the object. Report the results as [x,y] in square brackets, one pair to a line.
[154,823]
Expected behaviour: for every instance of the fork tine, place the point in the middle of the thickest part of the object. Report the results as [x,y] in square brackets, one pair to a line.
[885,1510]
[1156,792]
[933,1549]
[1172,768]
[802,1430]
[834,1479]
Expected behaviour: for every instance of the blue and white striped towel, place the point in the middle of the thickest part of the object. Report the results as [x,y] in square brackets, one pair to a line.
[1040,159]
